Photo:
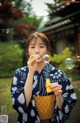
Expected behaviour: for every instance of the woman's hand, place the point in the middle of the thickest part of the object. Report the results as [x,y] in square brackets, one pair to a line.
[32,64]
[55,87]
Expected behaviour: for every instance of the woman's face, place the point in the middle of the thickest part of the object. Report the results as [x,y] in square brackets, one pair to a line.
[37,47]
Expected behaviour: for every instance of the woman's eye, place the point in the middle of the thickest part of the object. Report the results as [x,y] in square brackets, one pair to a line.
[42,46]
[32,47]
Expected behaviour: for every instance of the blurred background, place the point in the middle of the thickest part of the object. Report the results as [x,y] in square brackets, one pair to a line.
[60,21]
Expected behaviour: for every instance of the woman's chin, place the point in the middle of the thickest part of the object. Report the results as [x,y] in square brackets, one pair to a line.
[38,61]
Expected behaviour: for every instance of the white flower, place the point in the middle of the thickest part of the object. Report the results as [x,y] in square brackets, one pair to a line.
[33,103]
[67,87]
[21,109]
[73,96]
[65,94]
[14,88]
[21,98]
[15,81]
[51,74]
[25,117]
[66,109]
[60,115]
[32,113]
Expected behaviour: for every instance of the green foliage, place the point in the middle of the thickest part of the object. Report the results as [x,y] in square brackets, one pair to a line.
[26,15]
[23,5]
[10,58]
[18,3]
[6,100]
[58,60]
[33,19]
[51,7]
[30,17]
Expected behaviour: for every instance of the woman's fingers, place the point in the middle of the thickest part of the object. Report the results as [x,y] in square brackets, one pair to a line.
[31,60]
[54,85]
[56,88]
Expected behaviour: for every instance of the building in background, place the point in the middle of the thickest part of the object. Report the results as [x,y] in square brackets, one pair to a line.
[64,29]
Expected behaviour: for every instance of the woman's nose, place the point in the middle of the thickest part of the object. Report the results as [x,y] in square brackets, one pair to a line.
[37,49]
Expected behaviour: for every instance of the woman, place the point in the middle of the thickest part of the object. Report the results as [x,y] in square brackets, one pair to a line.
[29,81]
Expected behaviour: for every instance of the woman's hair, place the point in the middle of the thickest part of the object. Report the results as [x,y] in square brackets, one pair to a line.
[36,35]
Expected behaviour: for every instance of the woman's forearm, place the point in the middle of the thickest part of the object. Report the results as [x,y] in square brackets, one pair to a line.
[28,87]
[59,101]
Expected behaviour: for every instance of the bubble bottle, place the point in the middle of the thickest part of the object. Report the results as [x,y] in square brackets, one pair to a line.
[48,90]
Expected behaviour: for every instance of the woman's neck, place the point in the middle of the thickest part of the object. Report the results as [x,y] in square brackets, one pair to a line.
[40,66]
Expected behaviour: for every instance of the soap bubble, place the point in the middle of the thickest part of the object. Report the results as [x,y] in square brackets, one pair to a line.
[78,58]
[37,57]
[46,58]
[69,63]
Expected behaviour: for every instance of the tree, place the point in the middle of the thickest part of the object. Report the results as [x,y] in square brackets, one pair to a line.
[8,13]
[51,8]
[12,14]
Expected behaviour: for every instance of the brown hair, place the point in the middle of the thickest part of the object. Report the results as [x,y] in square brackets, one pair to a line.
[38,35]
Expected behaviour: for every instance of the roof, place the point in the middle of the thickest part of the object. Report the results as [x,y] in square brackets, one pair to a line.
[65,14]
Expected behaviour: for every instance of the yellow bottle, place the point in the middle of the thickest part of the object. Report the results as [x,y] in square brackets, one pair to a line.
[48,90]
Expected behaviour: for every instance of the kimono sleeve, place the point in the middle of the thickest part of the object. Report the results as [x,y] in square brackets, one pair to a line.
[69,98]
[17,93]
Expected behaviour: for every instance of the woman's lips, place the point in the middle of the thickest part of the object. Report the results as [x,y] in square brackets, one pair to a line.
[37,57]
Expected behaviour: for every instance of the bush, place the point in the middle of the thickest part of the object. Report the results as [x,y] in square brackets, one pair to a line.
[10,58]
[58,60]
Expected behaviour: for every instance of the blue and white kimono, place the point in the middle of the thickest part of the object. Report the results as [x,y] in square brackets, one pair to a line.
[30,114]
